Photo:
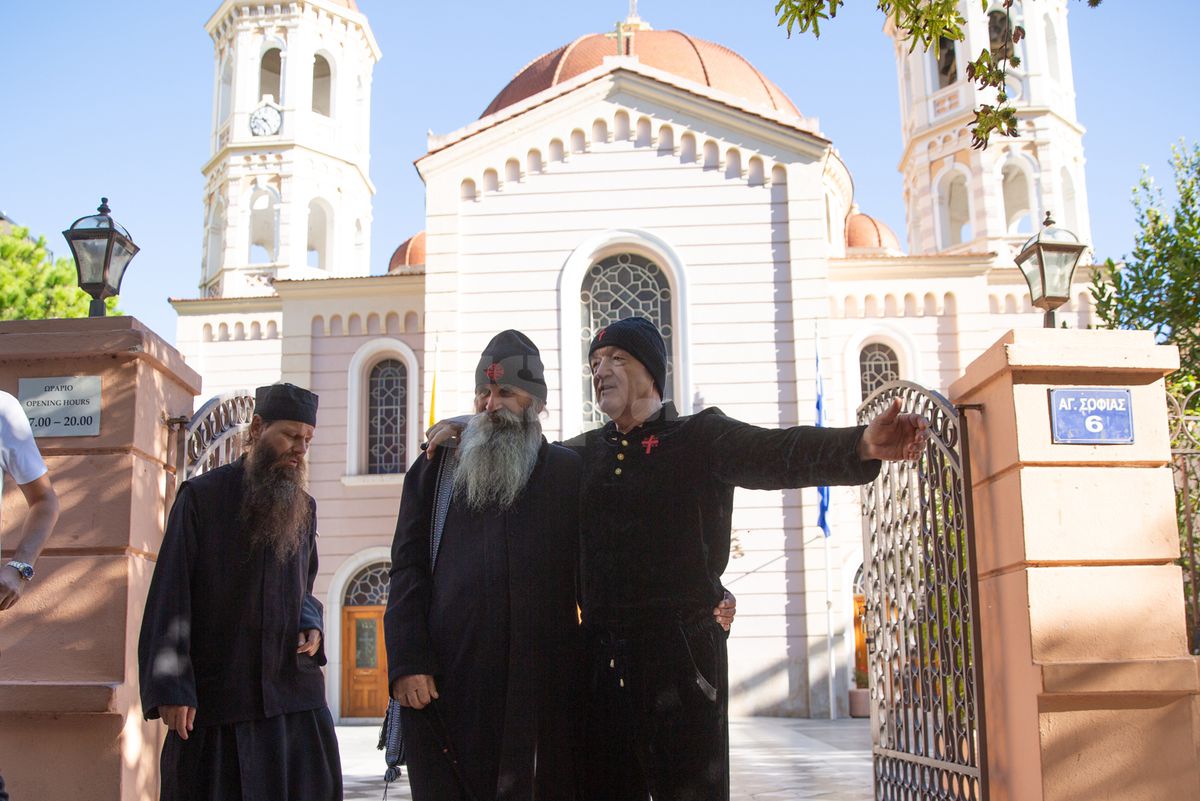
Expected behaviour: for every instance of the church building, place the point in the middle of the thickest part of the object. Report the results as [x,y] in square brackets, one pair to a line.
[642,171]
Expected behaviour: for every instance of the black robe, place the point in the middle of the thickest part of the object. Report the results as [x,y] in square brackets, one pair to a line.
[496,627]
[219,633]
[655,528]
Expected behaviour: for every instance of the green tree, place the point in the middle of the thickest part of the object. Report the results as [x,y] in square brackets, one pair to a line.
[31,288]
[925,22]
[1158,286]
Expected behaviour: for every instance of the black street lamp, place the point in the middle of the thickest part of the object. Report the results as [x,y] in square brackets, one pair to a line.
[1048,261]
[102,249]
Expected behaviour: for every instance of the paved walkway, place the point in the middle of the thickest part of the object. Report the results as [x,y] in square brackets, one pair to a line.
[771,759]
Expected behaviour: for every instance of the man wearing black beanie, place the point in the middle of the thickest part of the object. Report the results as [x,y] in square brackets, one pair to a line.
[655,521]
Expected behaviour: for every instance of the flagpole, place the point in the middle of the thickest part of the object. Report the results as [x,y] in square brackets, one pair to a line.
[823,524]
[829,631]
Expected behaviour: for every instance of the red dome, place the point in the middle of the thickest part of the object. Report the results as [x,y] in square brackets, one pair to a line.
[671,51]
[410,253]
[864,231]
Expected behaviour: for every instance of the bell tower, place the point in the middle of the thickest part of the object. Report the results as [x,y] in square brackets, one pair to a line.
[287,188]
[958,199]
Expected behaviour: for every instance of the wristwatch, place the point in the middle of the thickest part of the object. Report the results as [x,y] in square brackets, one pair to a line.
[26,570]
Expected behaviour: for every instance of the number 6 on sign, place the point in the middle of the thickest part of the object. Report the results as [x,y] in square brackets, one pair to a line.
[1094,423]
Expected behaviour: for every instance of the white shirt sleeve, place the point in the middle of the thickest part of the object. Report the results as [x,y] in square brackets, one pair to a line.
[19,456]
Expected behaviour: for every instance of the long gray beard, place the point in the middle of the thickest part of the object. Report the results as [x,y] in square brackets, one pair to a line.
[275,508]
[496,457]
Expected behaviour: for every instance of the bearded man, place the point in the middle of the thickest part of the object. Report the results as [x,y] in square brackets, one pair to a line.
[231,649]
[482,644]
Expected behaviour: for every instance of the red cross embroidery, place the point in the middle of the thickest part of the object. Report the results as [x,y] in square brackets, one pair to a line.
[600,334]
[495,371]
[649,443]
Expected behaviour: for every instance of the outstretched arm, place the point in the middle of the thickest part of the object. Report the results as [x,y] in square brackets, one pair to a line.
[893,436]
[43,512]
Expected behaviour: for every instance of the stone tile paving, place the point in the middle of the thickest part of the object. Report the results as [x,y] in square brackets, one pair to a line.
[771,759]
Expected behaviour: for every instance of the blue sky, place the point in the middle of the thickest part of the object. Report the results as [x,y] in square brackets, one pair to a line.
[115,99]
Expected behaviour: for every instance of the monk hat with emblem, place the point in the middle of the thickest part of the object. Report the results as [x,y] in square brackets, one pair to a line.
[511,358]
[640,338]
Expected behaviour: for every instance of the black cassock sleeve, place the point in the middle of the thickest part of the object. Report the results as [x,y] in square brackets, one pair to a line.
[312,611]
[747,456]
[410,590]
[164,647]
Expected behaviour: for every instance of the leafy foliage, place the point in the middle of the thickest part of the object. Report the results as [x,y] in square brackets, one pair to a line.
[925,23]
[31,288]
[1158,287]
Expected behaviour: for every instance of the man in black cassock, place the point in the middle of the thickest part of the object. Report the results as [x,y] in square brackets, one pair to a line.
[231,650]
[656,511]
[483,646]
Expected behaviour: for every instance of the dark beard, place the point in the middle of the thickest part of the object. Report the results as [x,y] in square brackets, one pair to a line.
[275,507]
[497,455]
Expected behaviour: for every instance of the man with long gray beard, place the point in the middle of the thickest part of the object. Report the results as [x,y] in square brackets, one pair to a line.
[231,648]
[483,651]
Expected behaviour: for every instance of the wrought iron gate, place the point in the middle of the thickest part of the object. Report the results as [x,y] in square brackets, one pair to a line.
[924,664]
[1184,416]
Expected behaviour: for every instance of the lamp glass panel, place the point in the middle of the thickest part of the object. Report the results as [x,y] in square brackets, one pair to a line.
[1032,267]
[89,255]
[1059,266]
[123,252]
[93,222]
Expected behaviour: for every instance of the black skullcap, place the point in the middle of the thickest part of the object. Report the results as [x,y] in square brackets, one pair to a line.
[638,337]
[511,358]
[286,402]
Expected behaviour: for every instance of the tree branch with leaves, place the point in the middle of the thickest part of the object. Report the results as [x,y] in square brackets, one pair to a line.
[925,23]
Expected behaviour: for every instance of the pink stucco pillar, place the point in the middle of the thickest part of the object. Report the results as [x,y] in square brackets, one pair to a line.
[70,721]
[1090,691]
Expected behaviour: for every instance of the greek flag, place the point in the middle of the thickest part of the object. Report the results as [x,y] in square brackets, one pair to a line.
[822,492]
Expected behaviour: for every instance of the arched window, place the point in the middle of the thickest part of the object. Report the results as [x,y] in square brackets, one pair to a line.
[322,86]
[733,163]
[945,64]
[578,142]
[369,587]
[264,224]
[1018,216]
[320,223]
[687,148]
[512,171]
[877,365]
[1051,49]
[1070,207]
[620,126]
[712,155]
[387,417]
[643,132]
[620,286]
[599,132]
[954,210]
[269,72]
[225,92]
[216,240]
[999,35]
[666,140]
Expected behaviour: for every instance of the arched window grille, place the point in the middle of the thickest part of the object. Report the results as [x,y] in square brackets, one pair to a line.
[877,365]
[620,286]
[369,587]
[387,407]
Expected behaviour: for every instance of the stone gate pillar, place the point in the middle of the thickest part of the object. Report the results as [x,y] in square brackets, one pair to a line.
[70,720]
[1090,691]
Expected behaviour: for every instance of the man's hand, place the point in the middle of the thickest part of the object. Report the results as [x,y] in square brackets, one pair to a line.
[726,610]
[440,432]
[179,719]
[310,641]
[414,691]
[10,586]
[893,436]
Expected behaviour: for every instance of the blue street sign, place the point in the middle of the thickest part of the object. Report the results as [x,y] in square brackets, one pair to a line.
[1091,416]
